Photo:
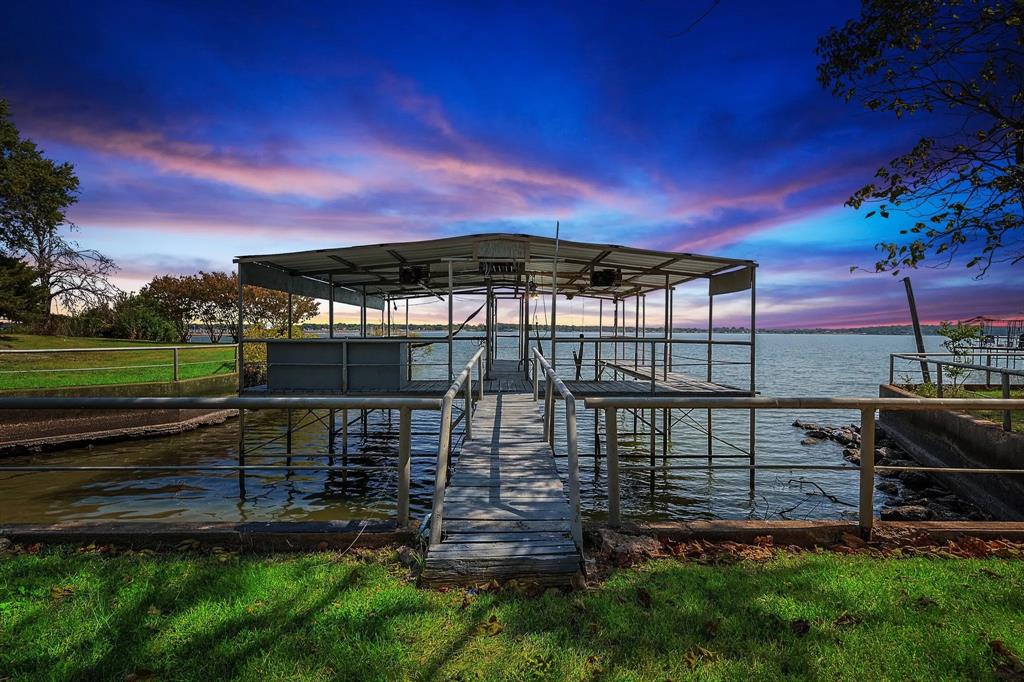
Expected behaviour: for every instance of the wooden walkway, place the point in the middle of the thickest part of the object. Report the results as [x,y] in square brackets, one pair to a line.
[506,514]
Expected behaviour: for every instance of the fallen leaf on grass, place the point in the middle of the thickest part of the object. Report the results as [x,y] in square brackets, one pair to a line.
[800,627]
[492,627]
[846,620]
[61,592]
[644,597]
[699,654]
[1009,666]
[153,611]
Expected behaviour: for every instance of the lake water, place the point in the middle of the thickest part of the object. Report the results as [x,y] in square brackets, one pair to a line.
[787,365]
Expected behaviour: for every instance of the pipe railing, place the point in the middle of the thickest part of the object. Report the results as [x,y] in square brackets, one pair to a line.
[959,366]
[175,364]
[866,406]
[554,384]
[405,406]
[463,382]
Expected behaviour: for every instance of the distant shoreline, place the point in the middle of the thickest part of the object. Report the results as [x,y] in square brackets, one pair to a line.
[891,330]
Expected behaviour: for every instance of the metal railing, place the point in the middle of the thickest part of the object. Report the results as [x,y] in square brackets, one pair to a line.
[866,406]
[553,384]
[175,364]
[405,406]
[942,367]
[462,382]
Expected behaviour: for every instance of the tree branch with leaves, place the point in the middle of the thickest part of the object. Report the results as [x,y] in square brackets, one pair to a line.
[961,64]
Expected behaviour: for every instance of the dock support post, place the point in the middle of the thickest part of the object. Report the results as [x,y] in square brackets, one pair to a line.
[332,429]
[1007,419]
[241,453]
[344,437]
[404,468]
[536,378]
[867,470]
[480,379]
[611,428]
[574,471]
[441,474]
[468,409]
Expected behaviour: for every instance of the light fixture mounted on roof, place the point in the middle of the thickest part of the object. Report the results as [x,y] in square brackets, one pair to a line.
[414,274]
[606,277]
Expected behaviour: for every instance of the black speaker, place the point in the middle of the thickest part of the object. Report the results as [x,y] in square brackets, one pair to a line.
[414,274]
[605,278]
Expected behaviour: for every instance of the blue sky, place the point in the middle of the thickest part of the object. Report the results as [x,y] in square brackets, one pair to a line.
[201,131]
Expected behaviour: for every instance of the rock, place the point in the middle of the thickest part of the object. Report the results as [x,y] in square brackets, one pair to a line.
[408,557]
[626,550]
[852,455]
[809,441]
[915,479]
[817,433]
[905,512]
[882,453]
[841,436]
[5,544]
[887,487]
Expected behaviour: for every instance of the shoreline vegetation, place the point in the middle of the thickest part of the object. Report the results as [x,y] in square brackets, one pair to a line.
[107,613]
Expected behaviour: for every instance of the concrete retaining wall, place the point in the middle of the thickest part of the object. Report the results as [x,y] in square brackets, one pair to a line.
[951,439]
[22,430]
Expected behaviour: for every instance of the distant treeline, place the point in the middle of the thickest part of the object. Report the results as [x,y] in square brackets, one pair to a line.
[505,327]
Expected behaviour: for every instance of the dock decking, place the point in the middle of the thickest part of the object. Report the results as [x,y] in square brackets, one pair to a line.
[506,514]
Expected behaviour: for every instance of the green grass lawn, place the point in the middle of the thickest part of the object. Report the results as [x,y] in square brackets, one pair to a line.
[65,615]
[1016,417]
[46,370]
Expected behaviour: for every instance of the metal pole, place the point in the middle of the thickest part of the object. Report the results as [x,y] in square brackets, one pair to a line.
[330,306]
[240,354]
[1007,419]
[574,470]
[536,377]
[404,468]
[451,297]
[554,299]
[752,441]
[441,475]
[175,364]
[468,410]
[917,329]
[867,470]
[480,378]
[611,429]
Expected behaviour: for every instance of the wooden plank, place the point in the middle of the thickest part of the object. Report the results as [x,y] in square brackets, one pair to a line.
[505,537]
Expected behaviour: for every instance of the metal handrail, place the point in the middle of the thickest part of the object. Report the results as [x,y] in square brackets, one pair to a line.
[463,381]
[866,406]
[928,359]
[405,406]
[552,384]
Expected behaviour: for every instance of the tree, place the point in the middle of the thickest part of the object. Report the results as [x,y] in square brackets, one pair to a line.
[20,294]
[268,308]
[959,342]
[960,62]
[217,301]
[35,193]
[138,316]
[177,300]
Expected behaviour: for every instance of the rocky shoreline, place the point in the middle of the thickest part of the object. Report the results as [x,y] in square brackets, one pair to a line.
[909,495]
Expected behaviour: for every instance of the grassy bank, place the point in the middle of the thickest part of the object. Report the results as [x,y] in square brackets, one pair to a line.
[66,615]
[1017,416]
[45,370]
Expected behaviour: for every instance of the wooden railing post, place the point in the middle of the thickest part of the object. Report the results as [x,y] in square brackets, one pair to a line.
[404,467]
[441,474]
[611,429]
[867,470]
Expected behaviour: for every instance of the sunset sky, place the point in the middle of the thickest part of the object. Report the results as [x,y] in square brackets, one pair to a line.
[201,131]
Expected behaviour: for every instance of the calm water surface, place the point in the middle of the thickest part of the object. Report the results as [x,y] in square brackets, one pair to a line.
[787,365]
